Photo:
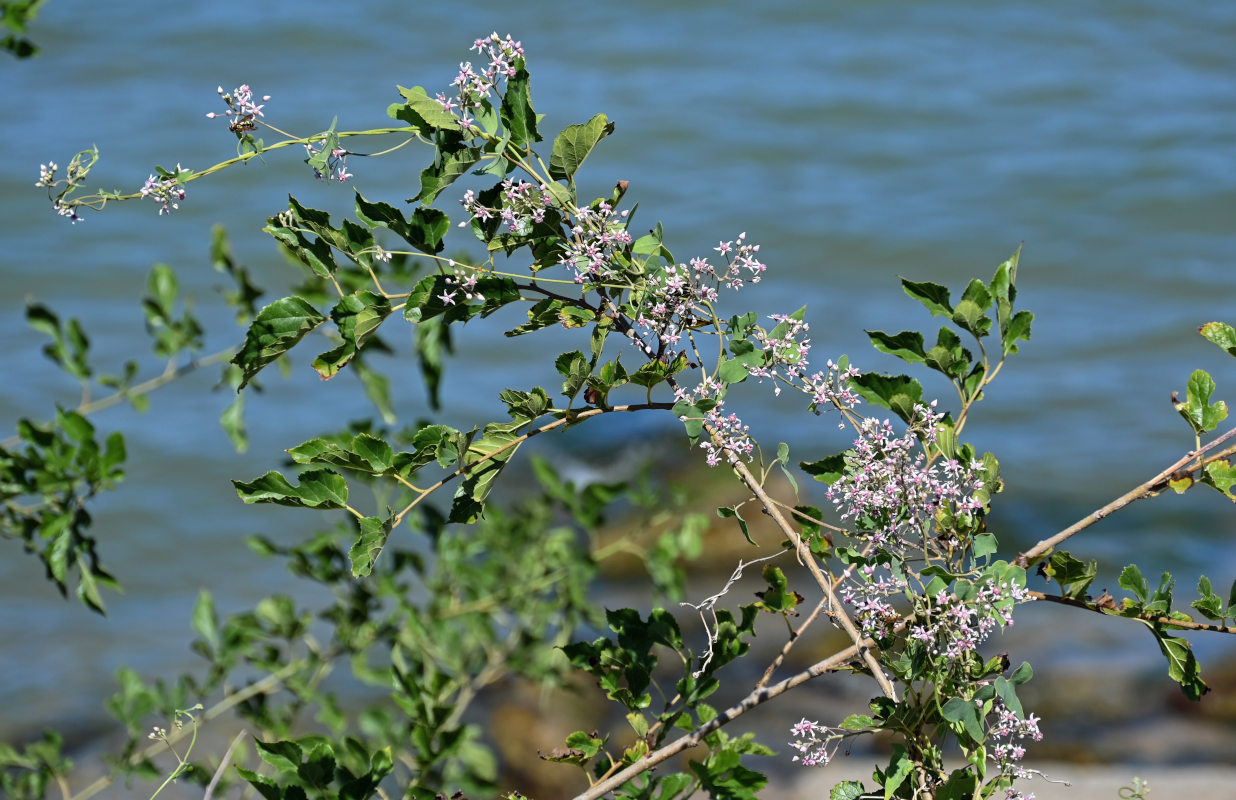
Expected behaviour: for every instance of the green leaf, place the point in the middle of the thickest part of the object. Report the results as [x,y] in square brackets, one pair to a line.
[283,756]
[274,331]
[518,116]
[985,544]
[422,112]
[377,387]
[574,145]
[859,722]
[963,712]
[357,317]
[969,315]
[573,367]
[316,253]
[320,488]
[444,171]
[731,512]
[482,462]
[897,393]
[1197,410]
[1222,476]
[1018,328]
[777,598]
[1008,694]
[1022,674]
[439,295]
[733,370]
[264,785]
[1208,602]
[1131,580]
[1073,576]
[848,790]
[232,420]
[364,453]
[1182,666]
[69,344]
[1221,334]
[907,345]
[899,768]
[205,620]
[932,295]
[374,531]
[828,470]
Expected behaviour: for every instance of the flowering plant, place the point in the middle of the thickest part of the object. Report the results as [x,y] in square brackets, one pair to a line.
[906,566]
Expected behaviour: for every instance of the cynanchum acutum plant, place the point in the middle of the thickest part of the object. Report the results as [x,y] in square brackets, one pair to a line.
[438,598]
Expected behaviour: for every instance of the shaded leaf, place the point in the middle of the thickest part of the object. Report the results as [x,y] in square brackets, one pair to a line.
[574,145]
[374,531]
[320,488]
[274,331]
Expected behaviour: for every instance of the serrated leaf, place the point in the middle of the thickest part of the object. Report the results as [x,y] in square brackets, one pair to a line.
[1182,666]
[357,317]
[483,461]
[969,315]
[1197,410]
[907,345]
[422,112]
[1222,476]
[320,488]
[283,756]
[232,420]
[205,620]
[827,470]
[1018,328]
[574,144]
[374,531]
[899,768]
[444,171]
[1221,334]
[847,790]
[932,295]
[274,331]
[518,116]
[1131,580]
[1074,576]
[573,367]
[1208,603]
[897,393]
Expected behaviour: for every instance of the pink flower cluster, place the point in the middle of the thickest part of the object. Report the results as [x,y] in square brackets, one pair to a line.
[816,744]
[242,113]
[472,87]
[730,438]
[596,237]
[786,350]
[461,282]
[889,484]
[676,294]
[869,596]
[336,163]
[523,204]
[1007,730]
[165,190]
[75,174]
[950,627]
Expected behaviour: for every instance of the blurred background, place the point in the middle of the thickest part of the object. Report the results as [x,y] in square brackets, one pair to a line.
[854,142]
